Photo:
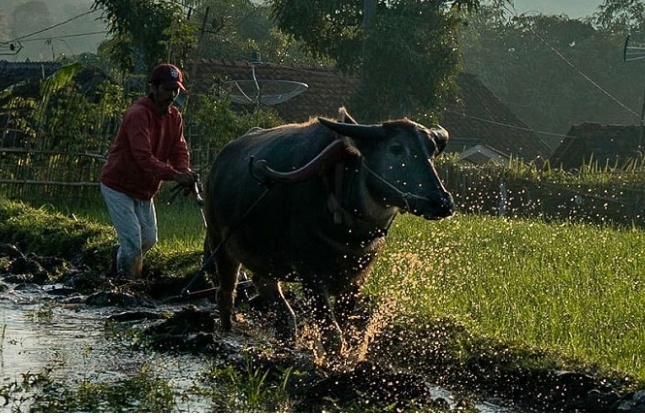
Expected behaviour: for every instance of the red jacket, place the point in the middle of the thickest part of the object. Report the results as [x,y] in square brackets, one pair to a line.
[149,147]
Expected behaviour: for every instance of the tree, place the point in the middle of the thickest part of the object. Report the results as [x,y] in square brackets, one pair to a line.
[552,71]
[146,33]
[621,16]
[238,30]
[405,58]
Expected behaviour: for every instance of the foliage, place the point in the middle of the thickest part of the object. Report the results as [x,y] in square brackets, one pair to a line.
[419,36]
[146,33]
[556,71]
[19,111]
[567,286]
[64,116]
[425,70]
[621,16]
[74,122]
[142,392]
[241,29]
[213,122]
[251,390]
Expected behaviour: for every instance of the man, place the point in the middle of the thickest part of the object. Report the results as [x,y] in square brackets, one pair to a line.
[149,147]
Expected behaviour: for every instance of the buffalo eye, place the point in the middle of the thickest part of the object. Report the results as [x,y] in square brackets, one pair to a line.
[396,148]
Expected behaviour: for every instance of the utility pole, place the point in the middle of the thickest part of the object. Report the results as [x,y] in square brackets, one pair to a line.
[369,8]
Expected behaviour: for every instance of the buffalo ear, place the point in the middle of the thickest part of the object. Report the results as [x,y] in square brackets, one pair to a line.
[344,116]
[441,137]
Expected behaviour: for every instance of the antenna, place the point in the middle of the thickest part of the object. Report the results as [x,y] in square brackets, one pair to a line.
[633,50]
[265,92]
[10,48]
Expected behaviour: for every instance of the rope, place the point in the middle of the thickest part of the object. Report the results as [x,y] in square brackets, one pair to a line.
[404,195]
[186,290]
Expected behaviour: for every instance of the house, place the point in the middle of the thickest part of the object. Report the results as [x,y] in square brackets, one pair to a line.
[482,154]
[19,73]
[476,118]
[602,143]
[479,118]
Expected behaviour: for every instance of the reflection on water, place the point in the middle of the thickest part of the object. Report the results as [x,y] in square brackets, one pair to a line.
[72,345]
[66,342]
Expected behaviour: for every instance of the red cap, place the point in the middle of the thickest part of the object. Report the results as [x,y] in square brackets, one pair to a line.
[168,75]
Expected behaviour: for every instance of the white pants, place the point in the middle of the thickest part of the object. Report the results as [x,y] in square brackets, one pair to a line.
[135,222]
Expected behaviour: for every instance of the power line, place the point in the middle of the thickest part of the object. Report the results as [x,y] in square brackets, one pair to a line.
[48,28]
[599,87]
[490,121]
[65,36]
[580,72]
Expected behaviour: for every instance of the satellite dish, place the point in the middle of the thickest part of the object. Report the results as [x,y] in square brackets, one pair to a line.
[633,50]
[265,92]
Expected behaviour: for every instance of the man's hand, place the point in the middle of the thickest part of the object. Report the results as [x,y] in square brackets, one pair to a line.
[186,179]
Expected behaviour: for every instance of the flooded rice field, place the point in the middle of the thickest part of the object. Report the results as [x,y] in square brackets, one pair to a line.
[67,340]
[90,343]
[71,344]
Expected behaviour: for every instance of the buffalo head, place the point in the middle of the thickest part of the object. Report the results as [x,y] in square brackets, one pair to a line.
[397,159]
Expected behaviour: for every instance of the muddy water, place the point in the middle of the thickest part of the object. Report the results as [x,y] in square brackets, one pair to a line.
[69,342]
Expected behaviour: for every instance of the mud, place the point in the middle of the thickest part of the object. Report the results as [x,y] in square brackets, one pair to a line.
[394,369]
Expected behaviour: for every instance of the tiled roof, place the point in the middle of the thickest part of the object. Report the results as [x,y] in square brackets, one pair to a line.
[13,73]
[477,117]
[326,92]
[27,74]
[606,143]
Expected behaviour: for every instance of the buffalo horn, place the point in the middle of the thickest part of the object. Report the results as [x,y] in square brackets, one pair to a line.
[354,130]
[331,154]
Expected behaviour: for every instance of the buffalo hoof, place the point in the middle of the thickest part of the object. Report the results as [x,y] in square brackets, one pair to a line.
[286,335]
[285,327]
[226,324]
[333,341]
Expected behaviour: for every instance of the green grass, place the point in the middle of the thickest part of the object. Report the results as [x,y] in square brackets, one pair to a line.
[571,289]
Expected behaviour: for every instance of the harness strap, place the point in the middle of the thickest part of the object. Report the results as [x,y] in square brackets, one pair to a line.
[339,170]
[335,198]
[404,195]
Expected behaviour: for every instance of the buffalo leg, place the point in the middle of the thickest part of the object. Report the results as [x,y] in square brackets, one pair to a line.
[318,299]
[227,272]
[285,322]
[345,304]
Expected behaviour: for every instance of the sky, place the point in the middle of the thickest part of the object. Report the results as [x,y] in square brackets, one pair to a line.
[573,8]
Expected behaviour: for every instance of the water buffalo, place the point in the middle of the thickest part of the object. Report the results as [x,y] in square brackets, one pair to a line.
[313,202]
